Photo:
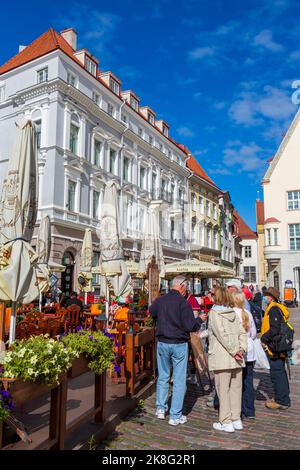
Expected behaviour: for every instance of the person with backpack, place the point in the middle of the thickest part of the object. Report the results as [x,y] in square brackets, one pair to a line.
[277,339]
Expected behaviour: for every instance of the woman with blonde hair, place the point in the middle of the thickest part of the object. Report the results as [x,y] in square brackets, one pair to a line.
[246,319]
[227,346]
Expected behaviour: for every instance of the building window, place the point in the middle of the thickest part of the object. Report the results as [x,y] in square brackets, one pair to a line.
[201,204]
[143,177]
[112,161]
[71,195]
[42,75]
[229,254]
[154,185]
[293,200]
[250,274]
[72,79]
[215,212]
[90,66]
[114,86]
[275,236]
[166,131]
[110,109]
[161,147]
[38,132]
[294,236]
[126,169]
[207,208]
[140,132]
[226,253]
[194,205]
[97,152]
[96,200]
[194,231]
[95,262]
[74,133]
[215,240]
[2,93]
[151,118]
[134,103]
[170,154]
[209,238]
[141,221]
[150,140]
[124,118]
[248,251]
[96,98]
[180,195]
[268,236]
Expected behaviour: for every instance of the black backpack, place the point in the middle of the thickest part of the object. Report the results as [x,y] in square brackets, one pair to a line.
[283,342]
[256,314]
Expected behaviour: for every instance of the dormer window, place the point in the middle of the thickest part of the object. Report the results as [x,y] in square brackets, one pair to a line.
[166,131]
[114,86]
[134,103]
[151,118]
[42,75]
[90,66]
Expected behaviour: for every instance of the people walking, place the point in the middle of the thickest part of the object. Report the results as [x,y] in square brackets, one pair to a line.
[275,315]
[227,346]
[175,321]
[247,321]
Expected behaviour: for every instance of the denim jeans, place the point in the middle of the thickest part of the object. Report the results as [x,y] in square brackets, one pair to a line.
[280,381]
[248,396]
[175,355]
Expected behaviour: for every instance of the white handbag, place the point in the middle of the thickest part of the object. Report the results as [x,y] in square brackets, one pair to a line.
[261,360]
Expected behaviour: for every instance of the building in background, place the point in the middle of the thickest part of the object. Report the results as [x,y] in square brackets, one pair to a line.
[281,185]
[89,131]
[249,255]
[227,230]
[260,219]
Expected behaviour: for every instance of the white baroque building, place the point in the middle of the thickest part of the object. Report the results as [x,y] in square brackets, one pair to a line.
[281,185]
[89,131]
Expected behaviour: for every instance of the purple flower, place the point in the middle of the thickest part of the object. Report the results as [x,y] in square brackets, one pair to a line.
[117,368]
[78,328]
[91,337]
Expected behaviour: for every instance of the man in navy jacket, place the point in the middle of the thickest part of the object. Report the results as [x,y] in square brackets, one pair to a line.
[175,321]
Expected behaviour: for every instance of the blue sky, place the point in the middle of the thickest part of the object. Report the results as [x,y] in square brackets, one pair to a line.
[219,72]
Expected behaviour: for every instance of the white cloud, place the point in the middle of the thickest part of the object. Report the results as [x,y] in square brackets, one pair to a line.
[295,55]
[201,52]
[252,109]
[185,131]
[265,39]
[197,95]
[245,158]
[220,105]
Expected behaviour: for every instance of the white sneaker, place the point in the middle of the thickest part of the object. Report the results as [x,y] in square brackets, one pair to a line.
[237,424]
[227,427]
[160,414]
[175,422]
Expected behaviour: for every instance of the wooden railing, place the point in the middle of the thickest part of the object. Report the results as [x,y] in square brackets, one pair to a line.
[140,360]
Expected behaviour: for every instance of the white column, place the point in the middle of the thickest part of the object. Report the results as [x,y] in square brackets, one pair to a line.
[158,182]
[150,171]
[92,159]
[91,189]
[67,123]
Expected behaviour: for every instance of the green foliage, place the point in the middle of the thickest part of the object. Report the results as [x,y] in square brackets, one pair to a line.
[37,359]
[98,348]
[92,444]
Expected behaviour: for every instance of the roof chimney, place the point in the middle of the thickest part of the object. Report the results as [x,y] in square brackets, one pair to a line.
[21,48]
[70,35]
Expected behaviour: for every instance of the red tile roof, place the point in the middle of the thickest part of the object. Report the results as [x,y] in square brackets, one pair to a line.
[260,212]
[244,231]
[271,219]
[47,42]
[194,166]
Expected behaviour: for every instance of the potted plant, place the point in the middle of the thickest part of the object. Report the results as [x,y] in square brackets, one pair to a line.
[94,350]
[32,367]
[6,404]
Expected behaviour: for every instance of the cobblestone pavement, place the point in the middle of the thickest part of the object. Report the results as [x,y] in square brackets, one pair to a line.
[270,430]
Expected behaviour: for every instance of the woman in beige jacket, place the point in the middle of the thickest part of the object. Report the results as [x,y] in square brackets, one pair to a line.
[227,346]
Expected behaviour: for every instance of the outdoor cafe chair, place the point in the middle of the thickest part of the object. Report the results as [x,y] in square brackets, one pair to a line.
[72,318]
[25,329]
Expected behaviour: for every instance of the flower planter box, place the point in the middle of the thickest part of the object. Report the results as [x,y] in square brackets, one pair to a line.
[22,391]
[79,366]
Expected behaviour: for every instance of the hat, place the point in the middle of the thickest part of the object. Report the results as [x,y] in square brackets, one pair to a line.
[234,283]
[272,292]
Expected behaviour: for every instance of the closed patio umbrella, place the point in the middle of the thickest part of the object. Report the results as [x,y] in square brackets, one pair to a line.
[85,276]
[18,207]
[151,245]
[43,253]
